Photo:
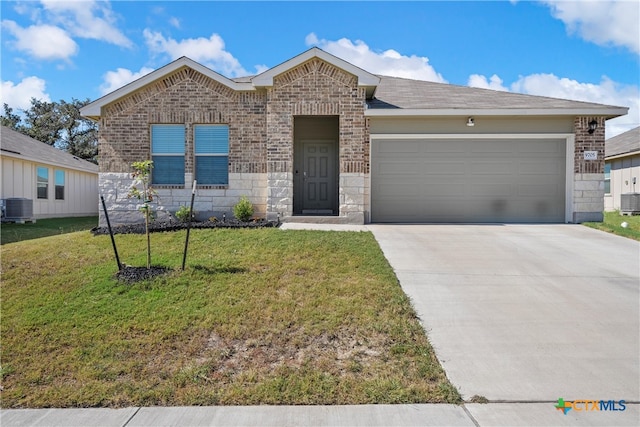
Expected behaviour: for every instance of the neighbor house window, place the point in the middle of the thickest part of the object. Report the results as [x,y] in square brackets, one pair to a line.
[167,153]
[43,182]
[59,185]
[607,178]
[212,154]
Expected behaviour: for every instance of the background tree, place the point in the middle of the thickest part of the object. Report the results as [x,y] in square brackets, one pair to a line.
[42,121]
[58,124]
[9,119]
[79,135]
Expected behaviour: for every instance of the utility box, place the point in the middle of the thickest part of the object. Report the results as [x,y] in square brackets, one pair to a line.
[18,210]
[630,203]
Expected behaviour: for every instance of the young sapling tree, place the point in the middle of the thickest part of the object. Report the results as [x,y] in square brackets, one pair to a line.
[142,190]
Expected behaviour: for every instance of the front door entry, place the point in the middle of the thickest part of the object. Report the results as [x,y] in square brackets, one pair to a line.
[318,178]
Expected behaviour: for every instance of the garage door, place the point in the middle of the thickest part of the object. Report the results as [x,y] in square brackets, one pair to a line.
[468,180]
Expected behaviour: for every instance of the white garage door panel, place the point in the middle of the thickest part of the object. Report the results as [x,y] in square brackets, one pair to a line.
[464,180]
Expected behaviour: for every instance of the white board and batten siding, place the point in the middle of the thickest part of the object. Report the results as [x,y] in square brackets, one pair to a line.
[19,179]
[21,156]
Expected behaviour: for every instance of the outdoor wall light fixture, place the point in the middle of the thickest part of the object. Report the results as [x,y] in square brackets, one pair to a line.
[593,125]
[471,122]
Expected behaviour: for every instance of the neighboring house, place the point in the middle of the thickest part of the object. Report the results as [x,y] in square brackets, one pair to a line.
[317,138]
[621,168]
[58,183]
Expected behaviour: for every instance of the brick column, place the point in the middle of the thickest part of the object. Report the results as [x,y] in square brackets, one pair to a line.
[588,189]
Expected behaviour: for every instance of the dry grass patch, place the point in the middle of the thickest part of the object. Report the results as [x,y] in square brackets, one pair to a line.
[259,317]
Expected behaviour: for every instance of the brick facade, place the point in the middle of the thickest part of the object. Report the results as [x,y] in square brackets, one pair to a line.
[184,97]
[261,113]
[315,88]
[260,136]
[585,141]
[588,183]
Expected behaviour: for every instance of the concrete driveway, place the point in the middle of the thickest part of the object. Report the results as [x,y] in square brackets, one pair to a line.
[525,313]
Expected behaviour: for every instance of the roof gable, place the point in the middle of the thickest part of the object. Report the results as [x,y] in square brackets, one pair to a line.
[92,110]
[365,79]
[20,146]
[627,143]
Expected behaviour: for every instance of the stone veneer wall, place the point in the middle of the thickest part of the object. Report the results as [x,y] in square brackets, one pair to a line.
[316,88]
[184,97]
[588,183]
[114,187]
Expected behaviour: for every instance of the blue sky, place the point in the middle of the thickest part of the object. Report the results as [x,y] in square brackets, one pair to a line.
[582,50]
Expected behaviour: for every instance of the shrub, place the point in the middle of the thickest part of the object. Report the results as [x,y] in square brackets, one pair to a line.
[183,214]
[243,209]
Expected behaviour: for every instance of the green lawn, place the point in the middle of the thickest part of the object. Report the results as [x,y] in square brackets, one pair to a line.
[262,316]
[613,224]
[10,232]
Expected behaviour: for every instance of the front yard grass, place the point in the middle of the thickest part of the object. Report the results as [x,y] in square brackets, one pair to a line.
[613,224]
[260,316]
[11,232]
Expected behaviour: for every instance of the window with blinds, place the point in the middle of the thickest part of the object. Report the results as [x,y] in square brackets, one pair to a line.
[167,153]
[211,144]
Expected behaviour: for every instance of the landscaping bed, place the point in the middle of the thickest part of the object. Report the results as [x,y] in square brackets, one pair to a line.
[162,226]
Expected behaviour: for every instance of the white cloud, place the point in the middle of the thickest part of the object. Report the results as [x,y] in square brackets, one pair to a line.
[174,22]
[209,52]
[494,82]
[18,96]
[42,41]
[87,19]
[388,62]
[605,92]
[116,79]
[610,22]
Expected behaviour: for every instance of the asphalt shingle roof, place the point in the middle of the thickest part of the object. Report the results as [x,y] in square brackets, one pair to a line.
[396,92]
[16,144]
[625,143]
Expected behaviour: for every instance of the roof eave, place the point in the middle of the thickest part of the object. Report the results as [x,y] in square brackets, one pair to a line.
[29,158]
[608,112]
[621,155]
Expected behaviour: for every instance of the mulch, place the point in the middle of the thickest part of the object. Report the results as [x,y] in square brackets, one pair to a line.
[131,275]
[157,226]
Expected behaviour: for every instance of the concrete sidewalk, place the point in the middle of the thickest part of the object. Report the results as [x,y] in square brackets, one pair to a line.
[470,414]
